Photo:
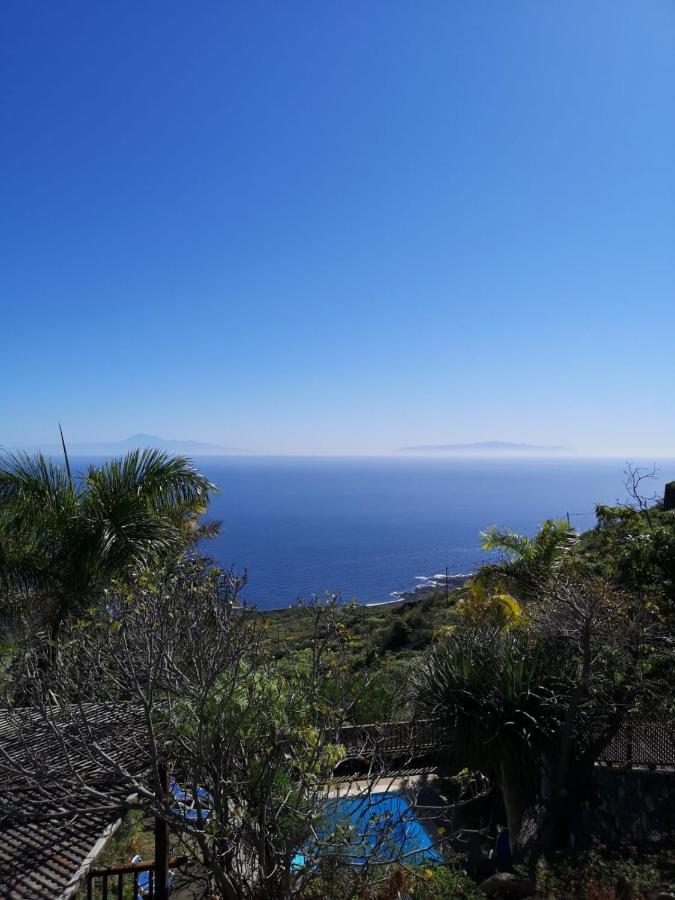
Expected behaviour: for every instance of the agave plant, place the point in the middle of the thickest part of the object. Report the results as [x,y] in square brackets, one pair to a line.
[497,691]
[62,540]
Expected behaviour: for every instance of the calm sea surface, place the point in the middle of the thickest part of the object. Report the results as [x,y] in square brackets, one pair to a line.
[370,527]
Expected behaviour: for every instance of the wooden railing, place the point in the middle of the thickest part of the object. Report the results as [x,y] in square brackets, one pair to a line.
[124,881]
[395,737]
[642,744]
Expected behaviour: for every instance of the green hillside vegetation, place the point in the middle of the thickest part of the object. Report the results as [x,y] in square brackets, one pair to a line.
[403,628]
[380,644]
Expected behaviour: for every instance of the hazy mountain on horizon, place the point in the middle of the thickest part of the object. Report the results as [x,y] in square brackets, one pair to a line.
[141,441]
[486,447]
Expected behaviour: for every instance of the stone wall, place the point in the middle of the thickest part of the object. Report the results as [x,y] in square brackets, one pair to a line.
[628,804]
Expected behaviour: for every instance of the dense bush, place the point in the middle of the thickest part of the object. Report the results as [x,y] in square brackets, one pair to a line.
[595,876]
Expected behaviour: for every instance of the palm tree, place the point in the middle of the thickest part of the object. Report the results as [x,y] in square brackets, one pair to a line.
[63,540]
[527,562]
[497,691]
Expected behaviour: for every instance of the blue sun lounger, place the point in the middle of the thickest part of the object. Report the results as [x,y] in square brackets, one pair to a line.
[185,803]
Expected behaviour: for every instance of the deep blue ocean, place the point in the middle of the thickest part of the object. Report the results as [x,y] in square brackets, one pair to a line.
[367,528]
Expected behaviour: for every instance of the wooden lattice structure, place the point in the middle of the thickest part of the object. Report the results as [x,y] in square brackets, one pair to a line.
[640,743]
[416,737]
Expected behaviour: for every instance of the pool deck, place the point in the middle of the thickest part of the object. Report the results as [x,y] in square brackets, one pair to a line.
[352,787]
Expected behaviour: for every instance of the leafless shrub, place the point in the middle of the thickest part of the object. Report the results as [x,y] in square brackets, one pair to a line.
[176,673]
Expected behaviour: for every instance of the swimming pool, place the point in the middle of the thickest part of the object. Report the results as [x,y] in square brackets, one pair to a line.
[381,826]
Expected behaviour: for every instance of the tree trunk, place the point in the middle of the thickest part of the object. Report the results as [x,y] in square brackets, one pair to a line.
[513,795]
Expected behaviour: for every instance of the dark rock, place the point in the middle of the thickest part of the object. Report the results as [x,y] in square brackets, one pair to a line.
[508,886]
[623,889]
[660,893]
[669,496]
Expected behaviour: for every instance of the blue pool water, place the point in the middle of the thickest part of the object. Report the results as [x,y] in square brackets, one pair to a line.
[384,827]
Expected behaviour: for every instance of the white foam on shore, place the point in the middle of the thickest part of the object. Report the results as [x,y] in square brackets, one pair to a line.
[409,596]
[442,576]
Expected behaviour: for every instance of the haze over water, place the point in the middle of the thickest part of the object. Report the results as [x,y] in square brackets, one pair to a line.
[369,527]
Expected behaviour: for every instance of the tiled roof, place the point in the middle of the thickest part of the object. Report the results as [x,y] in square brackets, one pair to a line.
[51,824]
[42,859]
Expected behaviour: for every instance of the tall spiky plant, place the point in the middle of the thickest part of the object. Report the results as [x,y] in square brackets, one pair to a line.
[496,690]
[63,539]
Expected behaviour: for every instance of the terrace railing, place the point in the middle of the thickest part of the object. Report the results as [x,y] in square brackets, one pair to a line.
[641,744]
[130,880]
[416,737]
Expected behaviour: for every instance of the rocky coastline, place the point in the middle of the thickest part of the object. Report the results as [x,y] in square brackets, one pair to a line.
[428,587]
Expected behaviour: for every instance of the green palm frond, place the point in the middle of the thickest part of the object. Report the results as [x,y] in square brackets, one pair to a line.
[67,539]
[526,561]
[517,545]
[32,486]
[166,483]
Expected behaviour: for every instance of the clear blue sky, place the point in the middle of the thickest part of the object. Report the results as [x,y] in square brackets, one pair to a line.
[339,227]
